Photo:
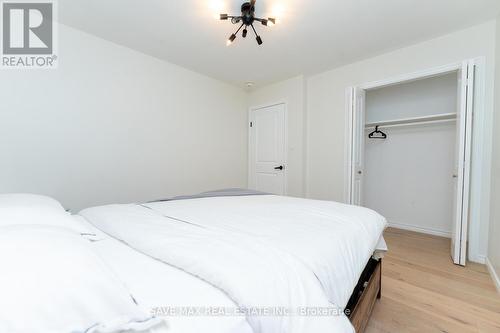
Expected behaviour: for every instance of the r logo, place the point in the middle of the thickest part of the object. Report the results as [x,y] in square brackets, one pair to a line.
[27,28]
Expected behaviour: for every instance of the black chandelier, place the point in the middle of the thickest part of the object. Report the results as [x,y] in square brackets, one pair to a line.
[246,19]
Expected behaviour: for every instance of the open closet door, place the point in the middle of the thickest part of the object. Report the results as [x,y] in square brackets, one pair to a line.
[357,145]
[463,154]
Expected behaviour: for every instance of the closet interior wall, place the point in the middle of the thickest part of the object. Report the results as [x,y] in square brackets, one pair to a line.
[409,175]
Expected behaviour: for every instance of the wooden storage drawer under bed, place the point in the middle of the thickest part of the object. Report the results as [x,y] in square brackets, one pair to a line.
[367,291]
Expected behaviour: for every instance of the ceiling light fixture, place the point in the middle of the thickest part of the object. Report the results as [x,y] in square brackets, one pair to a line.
[247,19]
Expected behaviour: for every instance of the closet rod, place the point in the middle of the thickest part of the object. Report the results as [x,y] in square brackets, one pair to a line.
[438,118]
[413,124]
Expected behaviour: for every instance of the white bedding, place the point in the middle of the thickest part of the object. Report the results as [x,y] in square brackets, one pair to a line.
[155,285]
[260,250]
[52,282]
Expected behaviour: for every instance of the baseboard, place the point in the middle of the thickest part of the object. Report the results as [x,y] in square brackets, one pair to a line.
[480,259]
[420,229]
[493,274]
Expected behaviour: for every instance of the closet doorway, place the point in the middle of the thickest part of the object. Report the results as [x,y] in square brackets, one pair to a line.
[409,151]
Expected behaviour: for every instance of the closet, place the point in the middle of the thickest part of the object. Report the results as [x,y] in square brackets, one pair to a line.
[409,152]
[408,175]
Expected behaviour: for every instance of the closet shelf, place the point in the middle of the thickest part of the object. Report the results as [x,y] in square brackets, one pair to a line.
[436,118]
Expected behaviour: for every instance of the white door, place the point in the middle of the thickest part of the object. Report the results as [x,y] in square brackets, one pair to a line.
[357,121]
[267,151]
[463,163]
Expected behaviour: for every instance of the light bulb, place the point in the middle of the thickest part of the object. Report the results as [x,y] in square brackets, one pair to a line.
[231,39]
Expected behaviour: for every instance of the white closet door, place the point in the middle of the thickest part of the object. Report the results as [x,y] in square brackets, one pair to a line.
[267,149]
[463,161]
[358,146]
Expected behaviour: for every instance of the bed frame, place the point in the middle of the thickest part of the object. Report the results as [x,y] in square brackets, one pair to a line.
[367,291]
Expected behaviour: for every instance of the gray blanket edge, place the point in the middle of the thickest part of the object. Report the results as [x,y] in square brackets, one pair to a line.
[228,192]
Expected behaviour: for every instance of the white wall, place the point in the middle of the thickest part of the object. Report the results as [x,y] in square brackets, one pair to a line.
[114,125]
[292,93]
[408,176]
[494,236]
[414,99]
[326,115]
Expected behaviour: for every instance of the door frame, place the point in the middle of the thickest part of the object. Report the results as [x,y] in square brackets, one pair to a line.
[285,155]
[481,141]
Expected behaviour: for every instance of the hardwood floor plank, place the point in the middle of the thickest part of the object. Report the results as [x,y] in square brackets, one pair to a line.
[436,261]
[391,316]
[449,285]
[449,308]
[423,291]
[473,279]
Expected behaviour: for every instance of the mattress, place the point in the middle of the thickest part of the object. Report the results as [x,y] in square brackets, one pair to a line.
[160,288]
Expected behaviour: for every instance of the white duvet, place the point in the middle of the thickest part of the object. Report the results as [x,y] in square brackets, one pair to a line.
[52,282]
[265,252]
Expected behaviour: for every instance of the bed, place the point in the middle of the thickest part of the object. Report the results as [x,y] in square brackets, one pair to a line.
[223,262]
[281,264]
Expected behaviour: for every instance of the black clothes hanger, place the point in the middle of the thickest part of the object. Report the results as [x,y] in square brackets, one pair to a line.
[376,134]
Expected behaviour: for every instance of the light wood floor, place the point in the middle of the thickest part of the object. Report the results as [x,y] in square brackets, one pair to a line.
[422,291]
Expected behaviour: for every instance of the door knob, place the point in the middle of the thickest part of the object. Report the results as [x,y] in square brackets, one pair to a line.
[279,168]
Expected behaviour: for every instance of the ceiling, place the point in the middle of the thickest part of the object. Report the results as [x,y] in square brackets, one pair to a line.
[310,37]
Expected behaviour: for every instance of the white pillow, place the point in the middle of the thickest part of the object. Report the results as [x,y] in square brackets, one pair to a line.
[53,282]
[19,209]
[29,200]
